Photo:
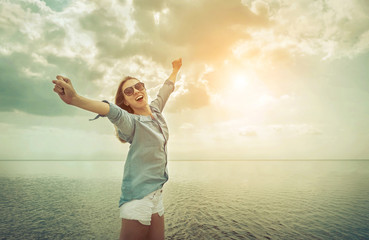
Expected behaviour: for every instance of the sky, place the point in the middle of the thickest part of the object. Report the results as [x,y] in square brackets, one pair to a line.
[263,79]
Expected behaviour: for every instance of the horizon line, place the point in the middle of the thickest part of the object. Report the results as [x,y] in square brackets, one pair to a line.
[182,160]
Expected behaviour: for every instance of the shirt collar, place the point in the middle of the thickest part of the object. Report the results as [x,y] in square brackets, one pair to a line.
[142,118]
[145,118]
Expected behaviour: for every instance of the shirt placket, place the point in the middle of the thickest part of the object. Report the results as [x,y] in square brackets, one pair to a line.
[165,141]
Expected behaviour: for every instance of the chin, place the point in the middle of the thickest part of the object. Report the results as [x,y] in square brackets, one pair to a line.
[144,103]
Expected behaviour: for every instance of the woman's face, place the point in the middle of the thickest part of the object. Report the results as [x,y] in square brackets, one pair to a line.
[135,100]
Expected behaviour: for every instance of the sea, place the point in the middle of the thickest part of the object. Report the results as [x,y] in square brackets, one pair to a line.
[220,199]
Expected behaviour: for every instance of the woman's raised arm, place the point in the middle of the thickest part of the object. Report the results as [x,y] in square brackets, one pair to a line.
[64,88]
[176,64]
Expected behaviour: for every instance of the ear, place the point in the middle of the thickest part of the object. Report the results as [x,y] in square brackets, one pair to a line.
[125,103]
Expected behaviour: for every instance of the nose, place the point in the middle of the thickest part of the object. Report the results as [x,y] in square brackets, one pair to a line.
[135,90]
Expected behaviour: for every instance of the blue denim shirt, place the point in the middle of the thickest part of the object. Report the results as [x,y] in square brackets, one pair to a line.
[145,169]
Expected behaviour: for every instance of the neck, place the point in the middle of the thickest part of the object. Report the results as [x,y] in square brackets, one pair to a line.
[145,111]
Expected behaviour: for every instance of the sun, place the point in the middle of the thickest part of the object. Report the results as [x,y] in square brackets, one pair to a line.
[239,80]
[238,84]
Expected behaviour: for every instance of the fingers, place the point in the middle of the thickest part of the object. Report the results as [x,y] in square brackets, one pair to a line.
[59,90]
[67,80]
[59,84]
[59,93]
[60,77]
[179,60]
[62,82]
[177,63]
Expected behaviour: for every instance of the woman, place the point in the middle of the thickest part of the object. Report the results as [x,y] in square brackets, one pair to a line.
[145,170]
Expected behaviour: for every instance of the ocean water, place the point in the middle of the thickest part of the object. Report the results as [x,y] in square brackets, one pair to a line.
[202,200]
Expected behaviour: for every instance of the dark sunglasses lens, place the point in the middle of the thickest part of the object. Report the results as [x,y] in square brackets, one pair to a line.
[128,91]
[140,86]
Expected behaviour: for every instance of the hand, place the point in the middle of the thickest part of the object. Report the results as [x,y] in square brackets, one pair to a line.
[177,64]
[63,87]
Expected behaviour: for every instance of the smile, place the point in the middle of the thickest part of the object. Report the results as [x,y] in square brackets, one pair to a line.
[139,98]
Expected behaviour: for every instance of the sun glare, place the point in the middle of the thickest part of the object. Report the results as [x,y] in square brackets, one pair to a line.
[239,81]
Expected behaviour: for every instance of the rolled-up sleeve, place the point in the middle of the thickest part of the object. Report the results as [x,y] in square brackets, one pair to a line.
[120,118]
[163,95]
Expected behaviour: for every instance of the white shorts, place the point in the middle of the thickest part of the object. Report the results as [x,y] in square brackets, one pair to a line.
[142,209]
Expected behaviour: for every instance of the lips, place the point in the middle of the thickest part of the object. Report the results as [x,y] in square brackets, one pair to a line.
[139,98]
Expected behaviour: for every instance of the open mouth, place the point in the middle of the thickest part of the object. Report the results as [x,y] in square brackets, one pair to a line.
[139,98]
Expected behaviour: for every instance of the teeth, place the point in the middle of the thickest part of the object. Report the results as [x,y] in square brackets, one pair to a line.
[138,98]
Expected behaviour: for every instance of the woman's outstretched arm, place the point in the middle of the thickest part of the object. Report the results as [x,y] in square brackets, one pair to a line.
[64,88]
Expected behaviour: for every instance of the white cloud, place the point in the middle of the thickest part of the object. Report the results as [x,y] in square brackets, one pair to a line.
[295,129]
[248,133]
[260,7]
[362,45]
[52,141]
[99,42]
[29,72]
[267,99]
[329,29]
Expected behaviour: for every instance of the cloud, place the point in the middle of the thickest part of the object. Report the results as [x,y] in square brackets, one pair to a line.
[187,126]
[55,143]
[96,43]
[248,133]
[196,97]
[26,85]
[295,129]
[32,56]
[204,29]
[108,25]
[329,29]
[56,5]
[260,7]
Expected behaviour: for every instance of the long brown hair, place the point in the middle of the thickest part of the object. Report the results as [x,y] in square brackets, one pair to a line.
[119,101]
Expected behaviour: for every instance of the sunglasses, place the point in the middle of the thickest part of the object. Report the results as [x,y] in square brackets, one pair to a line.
[129,90]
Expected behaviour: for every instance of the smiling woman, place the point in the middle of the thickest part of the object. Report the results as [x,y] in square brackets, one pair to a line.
[145,170]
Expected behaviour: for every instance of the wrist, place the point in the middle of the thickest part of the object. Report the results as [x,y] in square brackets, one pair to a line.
[75,100]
